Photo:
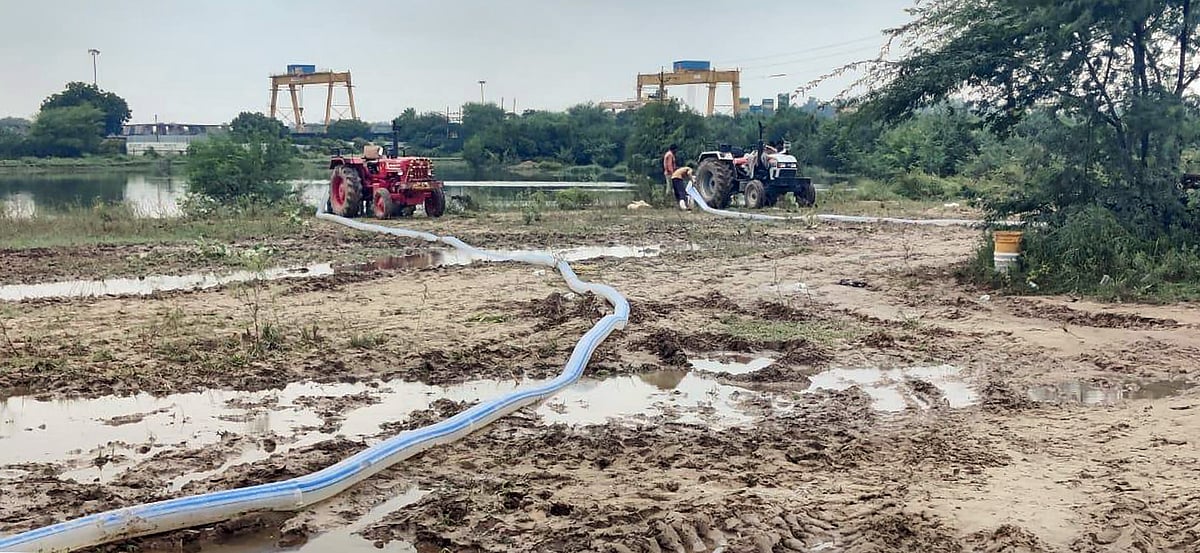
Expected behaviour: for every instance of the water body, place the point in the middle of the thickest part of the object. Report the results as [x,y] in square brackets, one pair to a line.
[144,285]
[150,195]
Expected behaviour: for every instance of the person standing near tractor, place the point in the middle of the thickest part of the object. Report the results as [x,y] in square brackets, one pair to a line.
[679,180]
[669,164]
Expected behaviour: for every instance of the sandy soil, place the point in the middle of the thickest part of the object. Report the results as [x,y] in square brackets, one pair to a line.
[1079,431]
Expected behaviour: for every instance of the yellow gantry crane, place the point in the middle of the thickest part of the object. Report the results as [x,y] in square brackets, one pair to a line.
[299,76]
[691,73]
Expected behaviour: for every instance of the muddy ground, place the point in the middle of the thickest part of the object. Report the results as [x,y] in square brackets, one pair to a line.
[900,409]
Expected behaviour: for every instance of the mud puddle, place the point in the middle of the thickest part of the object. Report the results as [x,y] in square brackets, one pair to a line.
[894,390]
[345,538]
[733,363]
[98,439]
[1091,393]
[142,286]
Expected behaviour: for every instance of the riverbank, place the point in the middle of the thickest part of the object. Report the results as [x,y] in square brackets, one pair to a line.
[121,163]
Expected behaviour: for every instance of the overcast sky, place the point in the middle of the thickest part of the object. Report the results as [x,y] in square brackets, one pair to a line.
[203,61]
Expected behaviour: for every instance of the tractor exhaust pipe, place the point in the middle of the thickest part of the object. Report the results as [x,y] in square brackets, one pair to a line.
[395,138]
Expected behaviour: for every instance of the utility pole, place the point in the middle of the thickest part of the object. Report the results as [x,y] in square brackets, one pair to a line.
[481,83]
[94,52]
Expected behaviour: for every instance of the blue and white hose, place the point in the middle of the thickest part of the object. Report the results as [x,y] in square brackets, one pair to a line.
[295,494]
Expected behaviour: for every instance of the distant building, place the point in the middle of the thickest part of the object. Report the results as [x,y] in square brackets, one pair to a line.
[166,138]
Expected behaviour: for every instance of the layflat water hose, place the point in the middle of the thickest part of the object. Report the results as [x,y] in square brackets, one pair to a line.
[296,493]
[695,196]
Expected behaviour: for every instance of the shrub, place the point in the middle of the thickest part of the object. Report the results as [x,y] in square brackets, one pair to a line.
[225,171]
[1093,253]
[575,199]
[916,185]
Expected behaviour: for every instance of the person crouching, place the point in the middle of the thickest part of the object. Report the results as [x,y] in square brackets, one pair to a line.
[679,180]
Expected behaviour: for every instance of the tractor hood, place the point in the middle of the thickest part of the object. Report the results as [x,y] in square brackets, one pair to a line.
[782,158]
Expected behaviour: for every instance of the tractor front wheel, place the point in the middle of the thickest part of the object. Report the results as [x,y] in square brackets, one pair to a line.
[435,204]
[756,194]
[345,192]
[383,206]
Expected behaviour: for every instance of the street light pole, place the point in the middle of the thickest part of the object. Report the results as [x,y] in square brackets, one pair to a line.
[481,83]
[94,52]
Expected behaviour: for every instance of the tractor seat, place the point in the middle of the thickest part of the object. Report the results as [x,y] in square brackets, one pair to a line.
[372,152]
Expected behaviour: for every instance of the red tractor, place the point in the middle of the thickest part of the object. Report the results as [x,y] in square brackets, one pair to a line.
[387,186]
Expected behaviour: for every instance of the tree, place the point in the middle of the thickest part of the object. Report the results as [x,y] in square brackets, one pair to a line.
[224,170]
[15,125]
[658,125]
[116,111]
[348,129]
[1115,78]
[67,132]
[1117,72]
[248,124]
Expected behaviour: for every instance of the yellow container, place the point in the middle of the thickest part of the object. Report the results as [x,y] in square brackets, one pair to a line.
[1007,250]
[1007,241]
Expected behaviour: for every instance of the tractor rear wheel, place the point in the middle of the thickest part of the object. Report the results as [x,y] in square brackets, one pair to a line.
[345,192]
[756,194]
[435,204]
[806,194]
[714,180]
[383,206]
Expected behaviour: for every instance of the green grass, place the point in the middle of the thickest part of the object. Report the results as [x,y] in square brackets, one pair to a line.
[117,224]
[99,163]
[873,198]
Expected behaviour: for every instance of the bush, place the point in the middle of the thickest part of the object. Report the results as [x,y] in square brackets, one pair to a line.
[1093,253]
[575,198]
[916,185]
[652,192]
[227,171]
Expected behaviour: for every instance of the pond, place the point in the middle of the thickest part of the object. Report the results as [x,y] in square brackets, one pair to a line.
[152,195]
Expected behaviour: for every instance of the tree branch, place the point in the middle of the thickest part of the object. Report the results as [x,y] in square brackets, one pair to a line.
[1184,33]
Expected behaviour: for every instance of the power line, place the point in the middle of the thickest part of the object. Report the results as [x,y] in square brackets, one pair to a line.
[805,51]
[810,58]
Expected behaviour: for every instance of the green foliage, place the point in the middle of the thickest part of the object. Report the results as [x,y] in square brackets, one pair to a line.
[224,170]
[348,129]
[534,207]
[1093,102]
[115,110]
[431,133]
[248,125]
[14,125]
[916,185]
[67,131]
[658,125]
[575,199]
[1093,253]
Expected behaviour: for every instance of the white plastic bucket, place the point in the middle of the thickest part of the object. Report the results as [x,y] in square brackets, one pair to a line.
[1004,262]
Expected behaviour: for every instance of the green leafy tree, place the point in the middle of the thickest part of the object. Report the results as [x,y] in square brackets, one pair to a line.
[67,132]
[115,109]
[348,129]
[1115,78]
[15,125]
[1117,73]
[224,170]
[249,124]
[658,125]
